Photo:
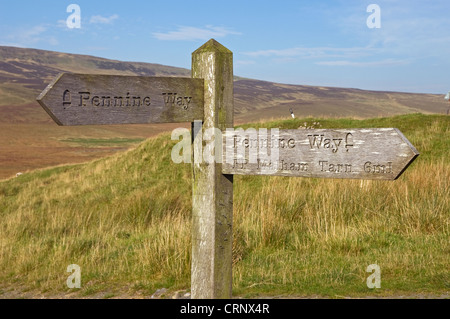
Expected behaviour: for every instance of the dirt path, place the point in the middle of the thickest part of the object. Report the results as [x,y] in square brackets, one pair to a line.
[163,293]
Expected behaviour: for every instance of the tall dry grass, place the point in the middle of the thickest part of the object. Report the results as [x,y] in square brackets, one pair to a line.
[125,220]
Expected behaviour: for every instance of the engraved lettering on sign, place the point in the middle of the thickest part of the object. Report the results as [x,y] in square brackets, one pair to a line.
[170,99]
[265,164]
[284,166]
[348,139]
[67,98]
[280,165]
[83,97]
[258,142]
[369,167]
[325,166]
[107,100]
[319,141]
[239,163]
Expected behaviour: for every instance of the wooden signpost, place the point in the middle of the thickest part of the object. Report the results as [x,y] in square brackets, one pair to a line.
[81,99]
[212,191]
[378,153]
[85,99]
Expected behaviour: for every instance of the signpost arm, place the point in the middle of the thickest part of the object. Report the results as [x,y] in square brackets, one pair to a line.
[212,200]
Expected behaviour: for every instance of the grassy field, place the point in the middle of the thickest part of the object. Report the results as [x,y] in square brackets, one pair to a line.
[95,142]
[125,220]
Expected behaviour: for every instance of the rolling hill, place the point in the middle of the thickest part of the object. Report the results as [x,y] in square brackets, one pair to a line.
[30,139]
[24,73]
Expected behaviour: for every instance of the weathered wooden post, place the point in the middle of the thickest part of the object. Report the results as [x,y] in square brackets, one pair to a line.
[212,200]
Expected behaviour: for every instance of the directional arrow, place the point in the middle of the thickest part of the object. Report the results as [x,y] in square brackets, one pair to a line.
[376,153]
[83,99]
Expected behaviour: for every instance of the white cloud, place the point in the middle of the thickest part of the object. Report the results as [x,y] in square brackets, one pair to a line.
[410,30]
[192,33]
[52,41]
[31,36]
[410,34]
[386,62]
[339,56]
[103,20]
[245,62]
[314,52]
[61,24]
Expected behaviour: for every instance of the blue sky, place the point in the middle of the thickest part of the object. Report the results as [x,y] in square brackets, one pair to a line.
[325,43]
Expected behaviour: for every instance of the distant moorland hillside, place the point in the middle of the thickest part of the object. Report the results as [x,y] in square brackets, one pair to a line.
[26,72]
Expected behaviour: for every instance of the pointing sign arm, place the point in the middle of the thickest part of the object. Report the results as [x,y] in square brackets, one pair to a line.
[380,153]
[44,93]
[409,157]
[85,99]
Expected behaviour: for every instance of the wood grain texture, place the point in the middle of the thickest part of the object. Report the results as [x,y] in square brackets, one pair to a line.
[378,153]
[85,99]
[212,199]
